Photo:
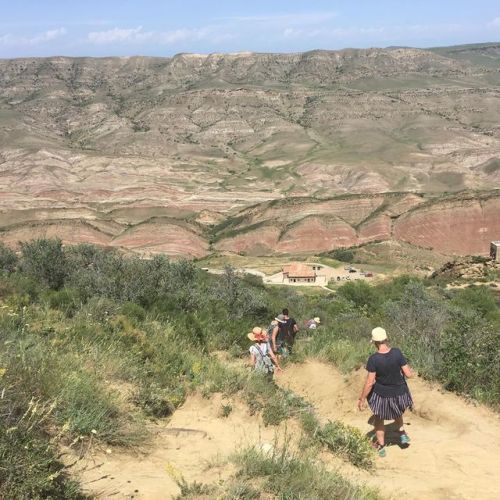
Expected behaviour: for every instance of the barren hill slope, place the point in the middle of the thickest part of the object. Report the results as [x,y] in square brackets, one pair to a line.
[89,148]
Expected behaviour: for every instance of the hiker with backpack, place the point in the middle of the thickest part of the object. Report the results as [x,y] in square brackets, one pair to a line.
[262,357]
[270,329]
[312,324]
[386,389]
[284,333]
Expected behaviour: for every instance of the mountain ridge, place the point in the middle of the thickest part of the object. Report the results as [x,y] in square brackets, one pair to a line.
[217,133]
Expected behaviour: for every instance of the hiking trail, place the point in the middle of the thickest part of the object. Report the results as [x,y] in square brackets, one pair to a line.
[194,443]
[454,451]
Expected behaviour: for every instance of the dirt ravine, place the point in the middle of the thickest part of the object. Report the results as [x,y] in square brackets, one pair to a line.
[454,451]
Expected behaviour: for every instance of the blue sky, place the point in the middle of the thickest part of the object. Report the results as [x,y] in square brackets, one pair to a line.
[164,28]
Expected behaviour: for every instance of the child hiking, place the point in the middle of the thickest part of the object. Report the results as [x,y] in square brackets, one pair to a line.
[385,389]
[262,357]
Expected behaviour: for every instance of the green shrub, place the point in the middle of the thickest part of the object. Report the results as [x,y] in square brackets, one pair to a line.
[341,439]
[194,489]
[347,441]
[479,299]
[361,294]
[225,410]
[344,344]
[44,260]
[82,403]
[21,285]
[65,300]
[8,259]
[470,352]
[239,298]
[415,323]
[157,401]
[85,405]
[240,490]
[133,311]
[343,254]
[276,404]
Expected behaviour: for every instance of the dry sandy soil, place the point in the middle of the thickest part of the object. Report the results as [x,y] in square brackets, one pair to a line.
[453,453]
[195,444]
[454,448]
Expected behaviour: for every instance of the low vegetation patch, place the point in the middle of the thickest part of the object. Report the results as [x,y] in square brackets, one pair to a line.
[340,439]
[286,475]
[278,473]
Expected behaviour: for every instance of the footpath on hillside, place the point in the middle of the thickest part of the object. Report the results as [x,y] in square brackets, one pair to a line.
[453,453]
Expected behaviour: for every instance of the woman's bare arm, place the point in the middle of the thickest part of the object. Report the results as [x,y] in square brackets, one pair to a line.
[253,359]
[273,337]
[275,359]
[407,371]
[370,381]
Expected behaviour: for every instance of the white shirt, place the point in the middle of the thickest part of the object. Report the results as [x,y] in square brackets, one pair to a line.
[264,349]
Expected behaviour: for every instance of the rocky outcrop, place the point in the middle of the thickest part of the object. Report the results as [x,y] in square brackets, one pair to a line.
[468,269]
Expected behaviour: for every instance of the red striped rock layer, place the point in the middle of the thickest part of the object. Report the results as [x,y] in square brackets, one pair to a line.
[462,224]
[459,225]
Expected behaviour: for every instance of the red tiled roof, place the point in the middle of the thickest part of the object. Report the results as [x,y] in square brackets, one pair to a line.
[298,270]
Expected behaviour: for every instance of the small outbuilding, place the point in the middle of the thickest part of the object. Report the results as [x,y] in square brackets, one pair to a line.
[495,251]
[299,273]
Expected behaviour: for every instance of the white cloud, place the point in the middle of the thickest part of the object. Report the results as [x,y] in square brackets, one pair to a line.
[118,35]
[495,23]
[138,35]
[50,35]
[383,33]
[284,19]
[46,36]
[183,35]
[333,33]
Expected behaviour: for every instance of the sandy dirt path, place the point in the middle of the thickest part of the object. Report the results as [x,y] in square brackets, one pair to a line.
[195,444]
[455,448]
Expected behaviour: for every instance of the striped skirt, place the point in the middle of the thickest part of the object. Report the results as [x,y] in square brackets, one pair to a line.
[390,407]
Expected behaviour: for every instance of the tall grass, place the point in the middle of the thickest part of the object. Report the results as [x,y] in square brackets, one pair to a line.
[340,439]
[286,474]
[29,466]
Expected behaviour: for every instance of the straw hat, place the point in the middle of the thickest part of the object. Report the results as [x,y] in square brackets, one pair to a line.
[317,320]
[257,334]
[379,334]
[280,318]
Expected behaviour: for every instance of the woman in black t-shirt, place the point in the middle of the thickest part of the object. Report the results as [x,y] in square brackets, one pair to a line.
[386,389]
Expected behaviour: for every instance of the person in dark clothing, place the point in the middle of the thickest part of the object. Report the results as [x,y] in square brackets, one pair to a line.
[283,336]
[385,388]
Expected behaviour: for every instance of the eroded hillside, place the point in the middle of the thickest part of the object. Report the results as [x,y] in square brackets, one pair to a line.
[150,154]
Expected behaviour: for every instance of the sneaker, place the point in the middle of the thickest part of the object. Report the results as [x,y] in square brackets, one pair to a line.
[379,448]
[404,438]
